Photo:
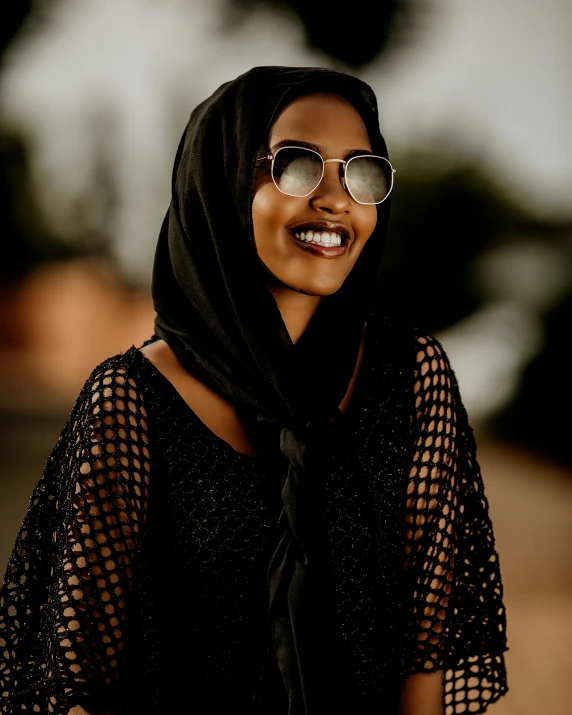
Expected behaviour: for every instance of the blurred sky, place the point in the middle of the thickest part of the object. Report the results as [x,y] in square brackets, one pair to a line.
[104,89]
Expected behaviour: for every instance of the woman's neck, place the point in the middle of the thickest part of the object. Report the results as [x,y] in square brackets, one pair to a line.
[297,309]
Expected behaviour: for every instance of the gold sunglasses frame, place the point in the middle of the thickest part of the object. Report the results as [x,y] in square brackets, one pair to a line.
[343,180]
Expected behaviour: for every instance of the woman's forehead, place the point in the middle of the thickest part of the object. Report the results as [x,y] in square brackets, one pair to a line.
[323,119]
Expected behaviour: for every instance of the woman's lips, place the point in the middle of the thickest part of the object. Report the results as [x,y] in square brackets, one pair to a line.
[322,251]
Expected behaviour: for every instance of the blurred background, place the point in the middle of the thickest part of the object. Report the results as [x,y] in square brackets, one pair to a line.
[476,105]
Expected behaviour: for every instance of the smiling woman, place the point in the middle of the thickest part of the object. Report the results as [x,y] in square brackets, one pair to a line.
[273,506]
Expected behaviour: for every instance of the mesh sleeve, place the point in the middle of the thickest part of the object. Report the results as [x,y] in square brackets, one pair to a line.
[457,620]
[65,602]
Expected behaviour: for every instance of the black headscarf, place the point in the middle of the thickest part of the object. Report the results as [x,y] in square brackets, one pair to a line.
[216,312]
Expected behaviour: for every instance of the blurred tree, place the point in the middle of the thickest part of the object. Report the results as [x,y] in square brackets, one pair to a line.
[12,17]
[445,212]
[539,417]
[26,240]
[356,44]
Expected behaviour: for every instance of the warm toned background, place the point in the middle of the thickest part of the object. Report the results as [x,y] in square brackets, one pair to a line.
[475,102]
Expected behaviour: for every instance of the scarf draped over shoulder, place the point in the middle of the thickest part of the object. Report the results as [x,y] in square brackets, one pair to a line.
[215,311]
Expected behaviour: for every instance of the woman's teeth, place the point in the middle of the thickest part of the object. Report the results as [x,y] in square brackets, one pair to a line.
[322,238]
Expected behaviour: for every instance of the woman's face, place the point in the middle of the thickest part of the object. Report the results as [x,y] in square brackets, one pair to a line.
[332,126]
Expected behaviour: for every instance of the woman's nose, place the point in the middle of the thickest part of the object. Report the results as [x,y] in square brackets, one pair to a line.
[330,196]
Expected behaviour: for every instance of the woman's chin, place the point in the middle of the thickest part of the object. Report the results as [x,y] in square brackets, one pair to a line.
[316,290]
[312,287]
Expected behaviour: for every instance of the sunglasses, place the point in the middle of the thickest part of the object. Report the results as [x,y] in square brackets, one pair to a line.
[297,171]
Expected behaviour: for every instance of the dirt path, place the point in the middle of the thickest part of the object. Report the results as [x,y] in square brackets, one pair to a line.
[531,507]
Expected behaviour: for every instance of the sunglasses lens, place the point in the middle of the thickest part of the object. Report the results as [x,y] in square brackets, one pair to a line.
[368,179]
[297,171]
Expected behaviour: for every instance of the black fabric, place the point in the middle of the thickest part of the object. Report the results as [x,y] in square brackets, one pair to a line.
[142,588]
[216,312]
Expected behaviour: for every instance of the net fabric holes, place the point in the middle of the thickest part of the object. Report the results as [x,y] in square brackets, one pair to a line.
[449,546]
[109,509]
[430,507]
[92,500]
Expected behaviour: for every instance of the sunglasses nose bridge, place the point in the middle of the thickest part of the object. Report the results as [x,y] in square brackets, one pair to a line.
[333,161]
[340,176]
[333,184]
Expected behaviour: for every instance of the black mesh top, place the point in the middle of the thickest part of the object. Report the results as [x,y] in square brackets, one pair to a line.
[138,579]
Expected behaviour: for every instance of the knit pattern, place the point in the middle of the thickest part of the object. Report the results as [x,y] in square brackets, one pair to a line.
[457,619]
[138,579]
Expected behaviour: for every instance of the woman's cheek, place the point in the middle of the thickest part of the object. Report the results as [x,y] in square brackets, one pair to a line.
[263,213]
[368,221]
[271,213]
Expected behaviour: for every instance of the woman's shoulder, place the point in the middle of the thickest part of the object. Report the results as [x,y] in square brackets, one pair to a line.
[121,383]
[130,364]
[404,359]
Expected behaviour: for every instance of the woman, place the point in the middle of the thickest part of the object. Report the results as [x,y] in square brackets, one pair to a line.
[274,505]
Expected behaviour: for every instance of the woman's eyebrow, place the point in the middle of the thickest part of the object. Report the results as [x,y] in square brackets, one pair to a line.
[309,145]
[294,142]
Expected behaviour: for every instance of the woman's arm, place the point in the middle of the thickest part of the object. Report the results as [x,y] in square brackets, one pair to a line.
[422,694]
[72,568]
[456,620]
